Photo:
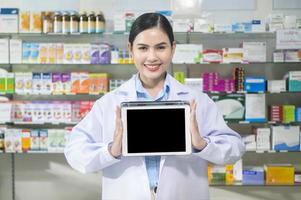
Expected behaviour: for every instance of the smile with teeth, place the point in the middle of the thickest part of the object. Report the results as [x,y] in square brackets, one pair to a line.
[152,67]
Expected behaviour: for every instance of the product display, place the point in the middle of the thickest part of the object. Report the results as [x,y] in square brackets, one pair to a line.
[76,56]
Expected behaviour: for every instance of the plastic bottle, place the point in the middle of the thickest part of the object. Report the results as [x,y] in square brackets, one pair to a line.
[74,22]
[129,20]
[114,55]
[91,22]
[57,22]
[48,22]
[66,23]
[100,23]
[83,23]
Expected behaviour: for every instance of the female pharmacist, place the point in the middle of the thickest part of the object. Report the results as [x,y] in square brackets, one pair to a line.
[96,142]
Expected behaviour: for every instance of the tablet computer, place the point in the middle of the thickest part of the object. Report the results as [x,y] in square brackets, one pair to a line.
[156,128]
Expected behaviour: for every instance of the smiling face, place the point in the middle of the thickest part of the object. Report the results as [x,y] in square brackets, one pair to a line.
[152,53]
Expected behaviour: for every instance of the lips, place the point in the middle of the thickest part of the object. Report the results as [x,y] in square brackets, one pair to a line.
[152,67]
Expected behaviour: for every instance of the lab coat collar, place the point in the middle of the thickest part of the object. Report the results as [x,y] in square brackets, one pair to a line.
[177,90]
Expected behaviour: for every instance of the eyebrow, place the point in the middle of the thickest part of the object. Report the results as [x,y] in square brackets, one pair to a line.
[161,43]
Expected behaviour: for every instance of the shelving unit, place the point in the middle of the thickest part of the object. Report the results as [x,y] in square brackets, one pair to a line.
[209,40]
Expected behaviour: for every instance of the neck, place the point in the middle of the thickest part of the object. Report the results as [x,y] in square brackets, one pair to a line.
[153,86]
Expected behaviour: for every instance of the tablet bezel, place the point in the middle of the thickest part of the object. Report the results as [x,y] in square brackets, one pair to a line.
[156,105]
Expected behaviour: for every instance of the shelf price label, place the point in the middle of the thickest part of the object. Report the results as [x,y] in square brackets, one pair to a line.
[288,39]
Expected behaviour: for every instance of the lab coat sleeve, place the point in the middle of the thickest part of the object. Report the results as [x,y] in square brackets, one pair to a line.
[224,146]
[85,150]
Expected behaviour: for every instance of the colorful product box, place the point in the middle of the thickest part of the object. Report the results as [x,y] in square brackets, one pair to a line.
[276,113]
[288,113]
[298,115]
[46,83]
[2,83]
[98,83]
[84,83]
[34,140]
[26,48]
[66,83]
[24,22]
[43,51]
[253,175]
[57,87]
[294,83]
[35,22]
[75,82]
[34,53]
[43,139]
[255,84]
[10,83]
[36,83]
[279,174]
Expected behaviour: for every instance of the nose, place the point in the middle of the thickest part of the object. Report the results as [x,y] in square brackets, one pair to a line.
[152,55]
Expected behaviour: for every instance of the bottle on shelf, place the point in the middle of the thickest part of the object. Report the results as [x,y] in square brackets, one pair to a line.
[83,23]
[100,23]
[48,22]
[91,22]
[57,22]
[129,20]
[66,23]
[74,22]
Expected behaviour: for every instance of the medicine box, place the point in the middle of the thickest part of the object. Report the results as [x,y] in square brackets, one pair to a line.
[286,138]
[294,83]
[253,175]
[277,174]
[9,20]
[275,86]
[255,84]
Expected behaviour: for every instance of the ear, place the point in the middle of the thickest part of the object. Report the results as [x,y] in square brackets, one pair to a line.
[130,48]
[173,47]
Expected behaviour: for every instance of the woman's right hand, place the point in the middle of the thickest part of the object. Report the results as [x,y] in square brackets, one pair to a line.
[116,147]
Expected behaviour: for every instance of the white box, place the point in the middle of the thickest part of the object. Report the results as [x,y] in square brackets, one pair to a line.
[195,84]
[232,55]
[86,53]
[254,52]
[223,28]
[263,139]
[286,138]
[37,83]
[182,25]
[119,23]
[186,53]
[201,25]
[255,108]
[15,51]
[5,112]
[9,20]
[19,83]
[68,53]
[276,86]
[278,56]
[4,51]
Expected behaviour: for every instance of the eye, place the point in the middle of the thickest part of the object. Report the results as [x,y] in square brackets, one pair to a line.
[142,48]
[161,47]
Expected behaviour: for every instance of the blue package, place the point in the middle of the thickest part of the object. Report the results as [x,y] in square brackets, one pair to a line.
[255,84]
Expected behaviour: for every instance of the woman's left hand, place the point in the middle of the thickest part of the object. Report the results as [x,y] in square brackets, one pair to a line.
[197,140]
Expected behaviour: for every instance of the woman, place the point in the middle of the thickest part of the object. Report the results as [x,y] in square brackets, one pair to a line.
[96,142]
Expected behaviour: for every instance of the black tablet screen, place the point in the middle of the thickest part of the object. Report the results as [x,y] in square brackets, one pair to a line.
[156,130]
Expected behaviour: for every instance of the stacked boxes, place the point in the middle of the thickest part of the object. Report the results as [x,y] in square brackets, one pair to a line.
[213,82]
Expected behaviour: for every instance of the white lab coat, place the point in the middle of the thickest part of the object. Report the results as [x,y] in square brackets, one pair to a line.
[181,177]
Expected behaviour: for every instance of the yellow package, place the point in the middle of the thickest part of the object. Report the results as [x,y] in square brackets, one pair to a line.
[280,174]
[36,22]
[24,22]
[229,175]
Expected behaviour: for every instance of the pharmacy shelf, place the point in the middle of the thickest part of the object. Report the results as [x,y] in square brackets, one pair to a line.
[271,151]
[249,185]
[261,123]
[77,97]
[265,92]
